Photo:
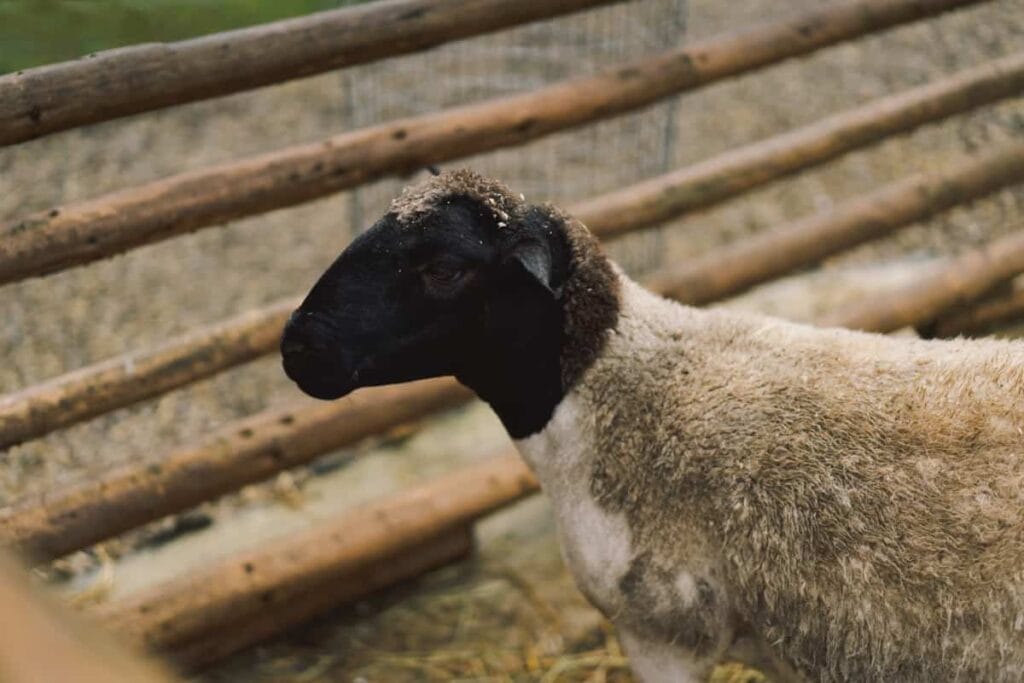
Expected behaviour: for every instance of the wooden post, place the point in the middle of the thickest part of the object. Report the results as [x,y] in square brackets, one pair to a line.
[130,80]
[135,376]
[42,643]
[108,225]
[358,552]
[735,268]
[955,283]
[243,452]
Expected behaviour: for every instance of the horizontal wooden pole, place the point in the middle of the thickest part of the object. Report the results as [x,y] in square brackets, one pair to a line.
[432,552]
[983,317]
[358,544]
[732,269]
[955,283]
[89,230]
[245,451]
[706,183]
[132,377]
[135,79]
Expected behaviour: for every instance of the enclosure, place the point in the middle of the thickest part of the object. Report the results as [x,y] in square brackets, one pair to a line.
[854,163]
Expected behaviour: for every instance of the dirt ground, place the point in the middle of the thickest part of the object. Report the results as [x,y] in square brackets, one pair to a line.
[510,613]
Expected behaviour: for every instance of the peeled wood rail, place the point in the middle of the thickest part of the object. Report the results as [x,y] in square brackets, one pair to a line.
[982,318]
[727,175]
[245,451]
[130,80]
[431,553]
[959,281]
[731,270]
[132,377]
[120,381]
[89,230]
[329,562]
[140,492]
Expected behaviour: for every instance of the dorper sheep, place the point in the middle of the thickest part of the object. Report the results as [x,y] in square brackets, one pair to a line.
[838,506]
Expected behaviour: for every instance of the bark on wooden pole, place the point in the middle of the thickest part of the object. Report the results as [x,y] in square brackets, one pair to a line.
[709,182]
[358,544]
[245,451]
[135,376]
[955,283]
[90,230]
[130,80]
[983,317]
[433,552]
[735,268]
[132,377]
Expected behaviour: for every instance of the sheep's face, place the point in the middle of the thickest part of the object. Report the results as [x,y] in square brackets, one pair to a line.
[454,289]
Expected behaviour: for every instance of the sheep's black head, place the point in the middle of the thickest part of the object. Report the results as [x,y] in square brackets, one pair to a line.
[459,278]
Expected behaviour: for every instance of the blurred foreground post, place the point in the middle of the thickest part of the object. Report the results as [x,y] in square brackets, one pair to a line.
[41,644]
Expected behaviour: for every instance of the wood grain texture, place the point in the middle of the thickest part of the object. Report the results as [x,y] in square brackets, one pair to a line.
[727,175]
[955,284]
[735,268]
[116,83]
[138,375]
[244,451]
[358,544]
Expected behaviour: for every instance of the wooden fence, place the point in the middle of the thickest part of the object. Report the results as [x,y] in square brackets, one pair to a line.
[219,609]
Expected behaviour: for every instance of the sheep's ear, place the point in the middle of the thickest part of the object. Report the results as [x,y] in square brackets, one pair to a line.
[535,259]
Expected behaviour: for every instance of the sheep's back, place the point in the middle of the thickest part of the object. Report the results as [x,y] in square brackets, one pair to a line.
[866,491]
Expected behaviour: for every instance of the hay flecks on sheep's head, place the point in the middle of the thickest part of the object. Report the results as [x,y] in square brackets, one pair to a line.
[417,201]
[460,277]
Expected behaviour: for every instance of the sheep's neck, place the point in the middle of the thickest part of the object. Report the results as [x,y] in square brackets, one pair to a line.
[524,376]
[522,387]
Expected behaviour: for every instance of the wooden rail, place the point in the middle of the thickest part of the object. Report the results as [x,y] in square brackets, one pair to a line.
[255,448]
[982,318]
[709,182]
[431,552]
[734,268]
[135,376]
[244,451]
[132,377]
[335,561]
[130,80]
[93,229]
[959,281]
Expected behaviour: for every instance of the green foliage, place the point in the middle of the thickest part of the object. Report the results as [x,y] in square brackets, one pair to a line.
[35,32]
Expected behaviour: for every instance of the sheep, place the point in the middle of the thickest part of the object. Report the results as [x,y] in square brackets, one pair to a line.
[834,505]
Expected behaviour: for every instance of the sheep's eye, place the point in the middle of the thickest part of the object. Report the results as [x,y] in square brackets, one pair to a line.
[443,272]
